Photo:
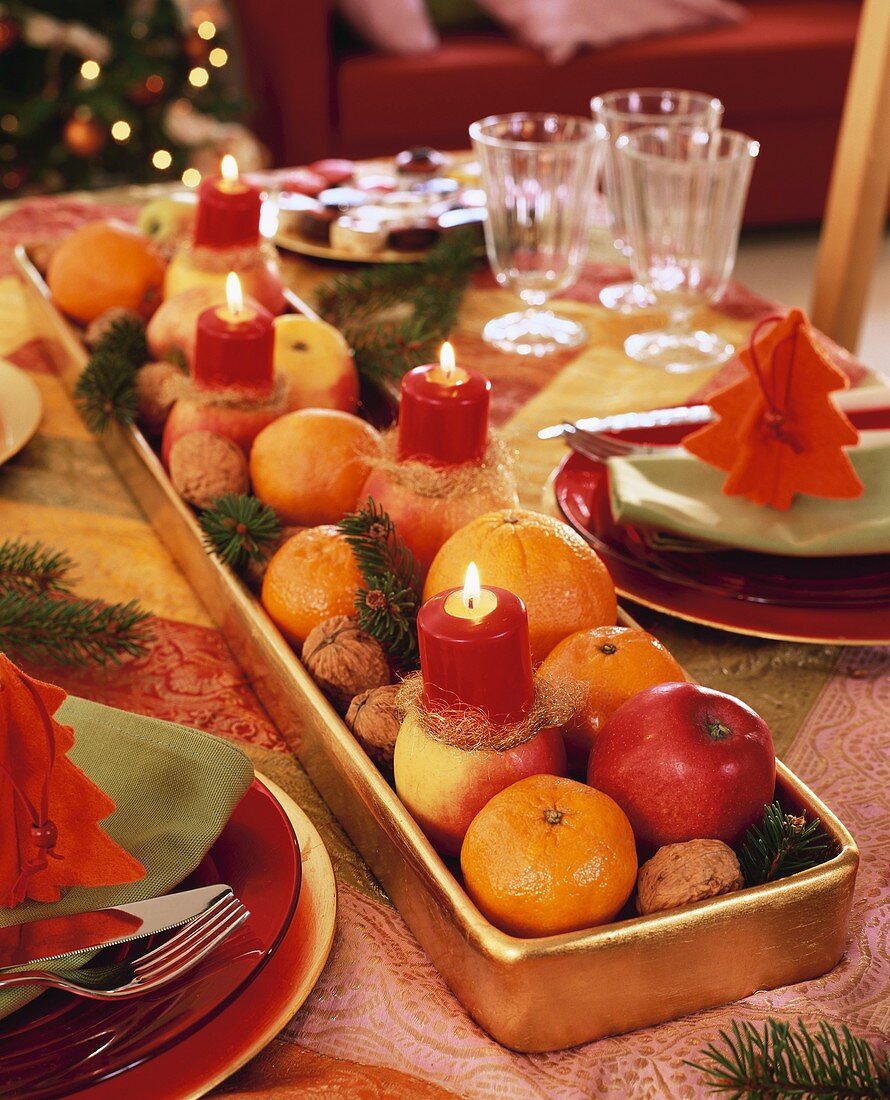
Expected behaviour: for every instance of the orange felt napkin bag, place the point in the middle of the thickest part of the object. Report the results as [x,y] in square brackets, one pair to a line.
[50,837]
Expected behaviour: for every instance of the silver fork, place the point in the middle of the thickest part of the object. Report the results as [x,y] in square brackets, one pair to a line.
[599,446]
[184,950]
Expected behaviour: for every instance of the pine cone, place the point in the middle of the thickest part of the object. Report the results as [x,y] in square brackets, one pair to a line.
[344,661]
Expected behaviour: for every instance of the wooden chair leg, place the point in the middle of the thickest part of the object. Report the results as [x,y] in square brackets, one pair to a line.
[860,182]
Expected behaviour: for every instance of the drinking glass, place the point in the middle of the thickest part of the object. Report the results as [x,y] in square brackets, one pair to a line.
[539,176]
[683,191]
[629,109]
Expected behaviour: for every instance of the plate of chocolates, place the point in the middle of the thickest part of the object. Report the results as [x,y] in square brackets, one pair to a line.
[379,212]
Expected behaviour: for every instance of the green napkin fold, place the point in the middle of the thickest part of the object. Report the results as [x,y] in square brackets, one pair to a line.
[676,493]
[174,790]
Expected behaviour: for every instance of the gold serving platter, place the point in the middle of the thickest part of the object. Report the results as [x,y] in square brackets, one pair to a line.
[529,994]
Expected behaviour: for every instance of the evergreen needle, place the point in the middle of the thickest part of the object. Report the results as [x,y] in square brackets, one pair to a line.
[125,338]
[784,1061]
[239,528]
[72,631]
[106,391]
[32,567]
[386,605]
[782,844]
[395,316]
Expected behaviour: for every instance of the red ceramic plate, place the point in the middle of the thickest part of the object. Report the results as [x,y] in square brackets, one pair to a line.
[843,600]
[62,1044]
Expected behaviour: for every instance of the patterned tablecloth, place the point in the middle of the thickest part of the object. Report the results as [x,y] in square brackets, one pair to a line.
[381,1022]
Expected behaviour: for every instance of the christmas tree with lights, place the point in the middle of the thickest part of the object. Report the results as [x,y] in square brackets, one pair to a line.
[94,92]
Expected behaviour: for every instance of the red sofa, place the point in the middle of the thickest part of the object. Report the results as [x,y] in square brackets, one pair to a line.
[782,75]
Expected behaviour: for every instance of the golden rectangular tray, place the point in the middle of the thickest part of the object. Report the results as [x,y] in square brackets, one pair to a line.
[613,979]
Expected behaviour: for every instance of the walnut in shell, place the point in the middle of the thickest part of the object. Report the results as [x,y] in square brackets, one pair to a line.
[374,717]
[343,660]
[157,386]
[680,873]
[204,465]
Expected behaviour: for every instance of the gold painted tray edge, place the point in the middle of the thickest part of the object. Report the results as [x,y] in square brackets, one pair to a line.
[481,964]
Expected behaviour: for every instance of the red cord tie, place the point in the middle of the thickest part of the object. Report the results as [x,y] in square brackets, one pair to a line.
[773,423]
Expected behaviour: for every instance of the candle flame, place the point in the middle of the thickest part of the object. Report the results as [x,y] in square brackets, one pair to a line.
[229,168]
[472,587]
[234,294]
[447,362]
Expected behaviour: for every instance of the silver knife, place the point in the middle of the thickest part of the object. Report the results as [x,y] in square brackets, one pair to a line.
[51,939]
[623,422]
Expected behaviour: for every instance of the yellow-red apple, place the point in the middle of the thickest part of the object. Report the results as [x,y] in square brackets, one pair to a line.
[443,787]
[260,281]
[317,363]
[240,423]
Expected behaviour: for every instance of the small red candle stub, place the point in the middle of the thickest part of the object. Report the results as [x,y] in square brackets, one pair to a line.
[443,414]
[234,346]
[474,651]
[228,213]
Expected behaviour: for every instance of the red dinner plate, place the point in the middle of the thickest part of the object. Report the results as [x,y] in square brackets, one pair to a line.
[61,1044]
[844,600]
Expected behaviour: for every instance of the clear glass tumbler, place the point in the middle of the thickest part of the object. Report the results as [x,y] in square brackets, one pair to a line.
[539,175]
[621,112]
[683,191]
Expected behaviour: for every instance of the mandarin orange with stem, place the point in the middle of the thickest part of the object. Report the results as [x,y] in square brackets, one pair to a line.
[549,855]
[310,578]
[612,663]
[560,579]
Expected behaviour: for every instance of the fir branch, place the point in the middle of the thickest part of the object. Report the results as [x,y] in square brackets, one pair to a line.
[33,567]
[239,528]
[125,339]
[395,316]
[106,391]
[784,1062]
[72,631]
[781,845]
[387,605]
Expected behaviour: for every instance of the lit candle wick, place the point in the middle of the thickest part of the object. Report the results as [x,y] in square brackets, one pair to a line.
[447,364]
[234,294]
[229,169]
[472,587]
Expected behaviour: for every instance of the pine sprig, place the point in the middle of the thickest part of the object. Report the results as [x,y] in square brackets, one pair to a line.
[33,567]
[239,528]
[72,631]
[395,316]
[386,605]
[782,844]
[784,1062]
[106,389]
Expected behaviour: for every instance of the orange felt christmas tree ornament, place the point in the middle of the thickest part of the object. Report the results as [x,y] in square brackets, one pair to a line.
[49,809]
[778,432]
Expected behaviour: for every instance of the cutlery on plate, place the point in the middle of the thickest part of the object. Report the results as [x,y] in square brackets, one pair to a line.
[173,958]
[54,938]
[863,400]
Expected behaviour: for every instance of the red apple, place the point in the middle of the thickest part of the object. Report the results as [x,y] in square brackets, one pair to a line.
[685,762]
[444,787]
[424,522]
[316,361]
[240,423]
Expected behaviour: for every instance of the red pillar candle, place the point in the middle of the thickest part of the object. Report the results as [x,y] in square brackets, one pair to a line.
[443,413]
[474,651]
[234,346]
[228,213]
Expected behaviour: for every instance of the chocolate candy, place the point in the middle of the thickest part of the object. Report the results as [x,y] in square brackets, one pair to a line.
[333,170]
[420,161]
[315,223]
[413,237]
[342,199]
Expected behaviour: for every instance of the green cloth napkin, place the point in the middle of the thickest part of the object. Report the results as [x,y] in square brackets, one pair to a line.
[677,493]
[174,790]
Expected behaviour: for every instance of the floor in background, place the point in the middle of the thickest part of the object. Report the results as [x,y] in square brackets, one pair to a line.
[780,265]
